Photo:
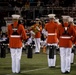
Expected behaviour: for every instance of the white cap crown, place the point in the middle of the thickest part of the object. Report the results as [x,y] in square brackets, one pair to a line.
[37,19]
[65,17]
[51,16]
[70,19]
[15,16]
[57,20]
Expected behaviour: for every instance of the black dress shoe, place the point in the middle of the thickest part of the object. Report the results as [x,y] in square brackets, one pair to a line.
[18,72]
[51,66]
[67,72]
[36,52]
[72,63]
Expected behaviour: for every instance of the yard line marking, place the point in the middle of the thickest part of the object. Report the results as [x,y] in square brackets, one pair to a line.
[34,70]
[74,63]
[38,69]
[30,70]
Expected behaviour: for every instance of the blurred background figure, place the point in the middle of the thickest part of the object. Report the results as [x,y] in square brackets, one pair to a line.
[71,22]
[36,31]
[27,5]
[38,3]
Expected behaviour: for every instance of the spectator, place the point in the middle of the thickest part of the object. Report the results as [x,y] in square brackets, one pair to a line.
[27,5]
[38,3]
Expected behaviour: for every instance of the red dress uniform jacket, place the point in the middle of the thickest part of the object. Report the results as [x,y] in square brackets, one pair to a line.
[51,28]
[15,41]
[66,40]
[37,32]
[75,37]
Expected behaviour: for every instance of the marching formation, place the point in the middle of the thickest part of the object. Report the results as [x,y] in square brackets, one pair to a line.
[51,35]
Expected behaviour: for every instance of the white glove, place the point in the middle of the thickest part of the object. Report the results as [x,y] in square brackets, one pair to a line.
[29,41]
[37,28]
[32,32]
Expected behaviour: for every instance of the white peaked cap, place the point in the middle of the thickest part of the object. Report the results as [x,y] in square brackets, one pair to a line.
[51,16]
[70,19]
[37,19]
[65,17]
[57,20]
[15,16]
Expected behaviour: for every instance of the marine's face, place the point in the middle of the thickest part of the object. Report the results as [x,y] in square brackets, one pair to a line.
[51,19]
[37,22]
[15,20]
[65,20]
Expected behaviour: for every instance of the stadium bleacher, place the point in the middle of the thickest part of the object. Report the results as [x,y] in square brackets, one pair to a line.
[9,7]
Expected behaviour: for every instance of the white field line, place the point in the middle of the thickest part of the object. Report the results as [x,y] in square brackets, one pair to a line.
[35,70]
[31,70]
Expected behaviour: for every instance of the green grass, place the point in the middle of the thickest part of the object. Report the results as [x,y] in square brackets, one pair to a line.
[35,66]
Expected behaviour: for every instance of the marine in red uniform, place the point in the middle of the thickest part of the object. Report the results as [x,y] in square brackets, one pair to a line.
[66,35]
[71,21]
[51,29]
[36,29]
[16,34]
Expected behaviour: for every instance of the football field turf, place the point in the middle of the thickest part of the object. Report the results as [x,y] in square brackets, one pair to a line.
[34,66]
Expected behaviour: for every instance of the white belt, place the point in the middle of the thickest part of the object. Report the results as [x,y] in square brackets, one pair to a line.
[51,33]
[55,44]
[65,37]
[14,29]
[15,36]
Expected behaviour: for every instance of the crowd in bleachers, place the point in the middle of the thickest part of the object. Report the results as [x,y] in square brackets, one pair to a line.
[30,9]
[9,7]
[20,3]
